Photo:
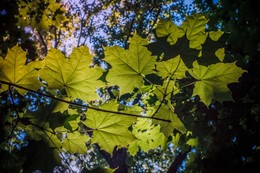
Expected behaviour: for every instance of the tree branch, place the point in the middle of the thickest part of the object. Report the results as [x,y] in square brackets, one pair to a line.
[84,106]
[43,43]
[178,161]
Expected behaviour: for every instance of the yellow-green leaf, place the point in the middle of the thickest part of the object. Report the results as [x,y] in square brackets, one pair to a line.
[174,68]
[129,66]
[212,81]
[220,53]
[165,28]
[75,143]
[167,113]
[148,136]
[109,129]
[13,69]
[72,74]
[193,142]
[166,91]
[215,35]
[195,30]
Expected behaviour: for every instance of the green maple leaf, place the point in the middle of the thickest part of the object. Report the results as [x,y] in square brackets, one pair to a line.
[212,81]
[166,91]
[129,66]
[63,106]
[13,69]
[169,29]
[166,112]
[72,74]
[195,30]
[109,129]
[75,143]
[147,136]
[174,68]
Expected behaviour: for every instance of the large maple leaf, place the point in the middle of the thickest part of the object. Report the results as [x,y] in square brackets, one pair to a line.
[109,129]
[212,81]
[129,66]
[72,74]
[13,69]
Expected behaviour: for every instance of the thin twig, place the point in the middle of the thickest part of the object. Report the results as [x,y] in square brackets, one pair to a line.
[165,92]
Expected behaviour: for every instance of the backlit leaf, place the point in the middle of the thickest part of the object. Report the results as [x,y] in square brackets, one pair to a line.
[129,66]
[167,28]
[75,143]
[13,69]
[212,81]
[167,113]
[195,30]
[109,129]
[148,136]
[174,68]
[72,74]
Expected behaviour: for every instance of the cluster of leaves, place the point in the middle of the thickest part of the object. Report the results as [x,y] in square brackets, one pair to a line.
[152,72]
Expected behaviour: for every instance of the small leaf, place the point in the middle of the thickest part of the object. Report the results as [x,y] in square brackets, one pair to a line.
[195,30]
[193,142]
[174,68]
[220,53]
[167,28]
[75,143]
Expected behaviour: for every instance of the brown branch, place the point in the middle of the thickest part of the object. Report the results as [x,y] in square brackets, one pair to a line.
[43,43]
[155,21]
[165,93]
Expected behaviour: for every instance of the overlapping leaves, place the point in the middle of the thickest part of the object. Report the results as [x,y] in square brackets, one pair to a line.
[109,129]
